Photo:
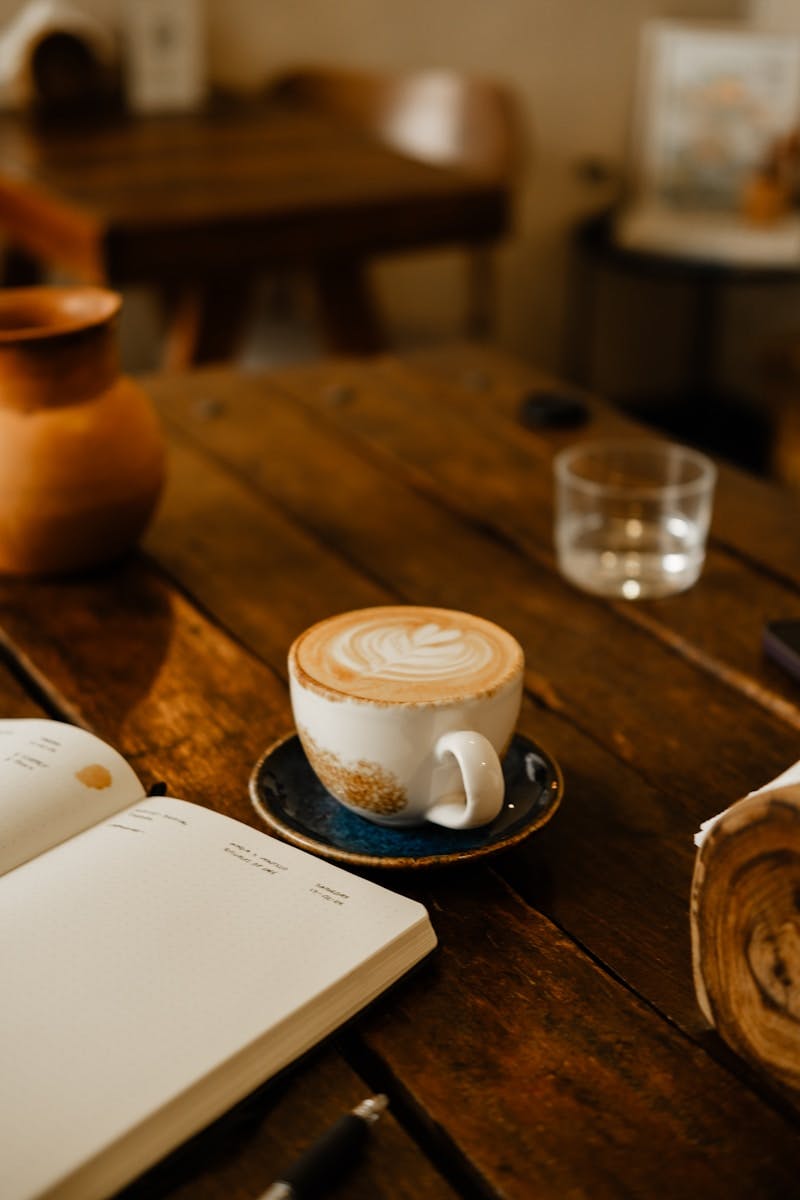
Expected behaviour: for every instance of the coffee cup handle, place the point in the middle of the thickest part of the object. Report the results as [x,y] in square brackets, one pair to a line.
[483,781]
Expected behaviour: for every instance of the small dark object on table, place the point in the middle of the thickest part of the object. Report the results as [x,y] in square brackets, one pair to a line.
[552,410]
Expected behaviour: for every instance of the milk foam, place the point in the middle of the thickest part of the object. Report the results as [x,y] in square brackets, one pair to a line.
[407,653]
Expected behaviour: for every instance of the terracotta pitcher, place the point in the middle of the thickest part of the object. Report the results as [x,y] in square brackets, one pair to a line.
[81,451]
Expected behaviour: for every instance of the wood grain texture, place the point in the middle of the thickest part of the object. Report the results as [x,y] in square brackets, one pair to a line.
[573,1090]
[202,204]
[192,196]
[745,930]
[192,706]
[552,1046]
[15,699]
[634,802]
[249,1147]
[127,657]
[489,379]
[469,449]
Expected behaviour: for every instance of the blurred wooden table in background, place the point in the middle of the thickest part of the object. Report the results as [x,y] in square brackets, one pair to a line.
[201,205]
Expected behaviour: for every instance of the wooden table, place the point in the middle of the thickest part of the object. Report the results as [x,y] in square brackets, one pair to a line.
[552,1046]
[202,204]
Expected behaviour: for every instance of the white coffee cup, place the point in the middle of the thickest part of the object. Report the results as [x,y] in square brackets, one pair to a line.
[404,712]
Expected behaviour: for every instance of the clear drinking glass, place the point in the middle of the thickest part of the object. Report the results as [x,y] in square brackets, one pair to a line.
[632,516]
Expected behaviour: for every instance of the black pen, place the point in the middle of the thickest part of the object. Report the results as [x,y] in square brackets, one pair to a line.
[330,1156]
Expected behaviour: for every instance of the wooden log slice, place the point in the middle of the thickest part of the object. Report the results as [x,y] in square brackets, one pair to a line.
[745,917]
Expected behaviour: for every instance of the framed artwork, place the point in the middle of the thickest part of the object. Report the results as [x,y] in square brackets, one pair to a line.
[711,101]
[165,54]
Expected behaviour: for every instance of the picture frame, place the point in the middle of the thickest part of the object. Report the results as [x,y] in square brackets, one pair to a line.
[165,55]
[711,100]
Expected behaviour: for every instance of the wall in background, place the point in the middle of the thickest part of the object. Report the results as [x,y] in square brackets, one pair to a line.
[569,63]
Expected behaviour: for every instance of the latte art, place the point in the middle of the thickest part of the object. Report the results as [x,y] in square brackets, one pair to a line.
[407,654]
[428,652]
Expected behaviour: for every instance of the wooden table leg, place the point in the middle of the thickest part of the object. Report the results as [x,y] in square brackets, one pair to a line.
[205,322]
[481,287]
[347,311]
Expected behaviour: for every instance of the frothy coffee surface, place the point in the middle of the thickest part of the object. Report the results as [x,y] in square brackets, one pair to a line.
[407,653]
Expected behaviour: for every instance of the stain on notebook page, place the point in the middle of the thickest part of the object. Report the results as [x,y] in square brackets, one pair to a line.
[94,776]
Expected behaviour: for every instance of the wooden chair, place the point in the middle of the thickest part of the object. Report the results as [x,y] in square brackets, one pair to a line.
[435,116]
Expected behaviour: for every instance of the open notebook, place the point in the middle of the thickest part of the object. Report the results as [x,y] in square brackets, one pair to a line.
[159,961]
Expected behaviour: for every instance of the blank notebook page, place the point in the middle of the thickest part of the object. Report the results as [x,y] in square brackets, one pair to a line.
[151,948]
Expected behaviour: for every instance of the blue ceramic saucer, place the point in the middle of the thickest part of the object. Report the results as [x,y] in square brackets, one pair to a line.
[290,799]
